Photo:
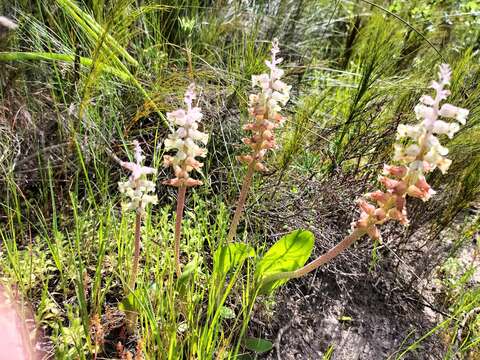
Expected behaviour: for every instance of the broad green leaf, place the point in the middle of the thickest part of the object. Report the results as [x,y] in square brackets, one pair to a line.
[230,256]
[289,253]
[258,345]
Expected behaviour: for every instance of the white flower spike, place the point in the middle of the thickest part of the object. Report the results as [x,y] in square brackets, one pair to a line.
[185,141]
[138,189]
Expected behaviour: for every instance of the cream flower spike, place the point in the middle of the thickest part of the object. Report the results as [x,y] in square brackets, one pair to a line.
[138,188]
[265,107]
[185,140]
[421,156]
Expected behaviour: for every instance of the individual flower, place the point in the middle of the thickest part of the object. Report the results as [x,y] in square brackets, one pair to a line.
[185,140]
[450,111]
[138,189]
[421,155]
[7,23]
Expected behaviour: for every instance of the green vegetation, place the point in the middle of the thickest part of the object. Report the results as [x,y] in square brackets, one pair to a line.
[81,79]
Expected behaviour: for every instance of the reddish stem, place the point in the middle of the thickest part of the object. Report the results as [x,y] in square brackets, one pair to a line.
[178,226]
[136,253]
[131,316]
[247,181]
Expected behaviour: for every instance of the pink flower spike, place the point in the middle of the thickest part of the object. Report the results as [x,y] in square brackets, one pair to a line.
[185,140]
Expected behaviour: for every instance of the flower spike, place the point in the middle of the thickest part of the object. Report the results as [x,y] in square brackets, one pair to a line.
[420,157]
[264,108]
[138,188]
[185,141]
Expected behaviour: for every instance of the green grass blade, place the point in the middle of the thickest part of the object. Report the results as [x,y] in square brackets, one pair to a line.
[48,56]
[93,29]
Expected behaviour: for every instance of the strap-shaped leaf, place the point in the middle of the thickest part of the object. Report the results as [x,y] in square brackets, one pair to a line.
[289,253]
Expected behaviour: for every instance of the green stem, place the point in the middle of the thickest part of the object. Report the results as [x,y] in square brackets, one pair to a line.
[247,181]
[321,260]
[178,226]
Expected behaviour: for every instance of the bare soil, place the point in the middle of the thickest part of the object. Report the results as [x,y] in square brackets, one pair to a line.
[370,302]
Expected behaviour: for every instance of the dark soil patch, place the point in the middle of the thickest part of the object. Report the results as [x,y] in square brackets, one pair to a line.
[363,309]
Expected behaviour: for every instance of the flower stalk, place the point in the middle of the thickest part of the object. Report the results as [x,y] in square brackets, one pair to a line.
[184,140]
[264,108]
[422,155]
[136,251]
[178,226]
[247,181]
[137,189]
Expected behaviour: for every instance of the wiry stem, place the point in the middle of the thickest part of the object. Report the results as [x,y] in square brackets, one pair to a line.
[247,181]
[131,315]
[178,226]
[136,253]
[321,260]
